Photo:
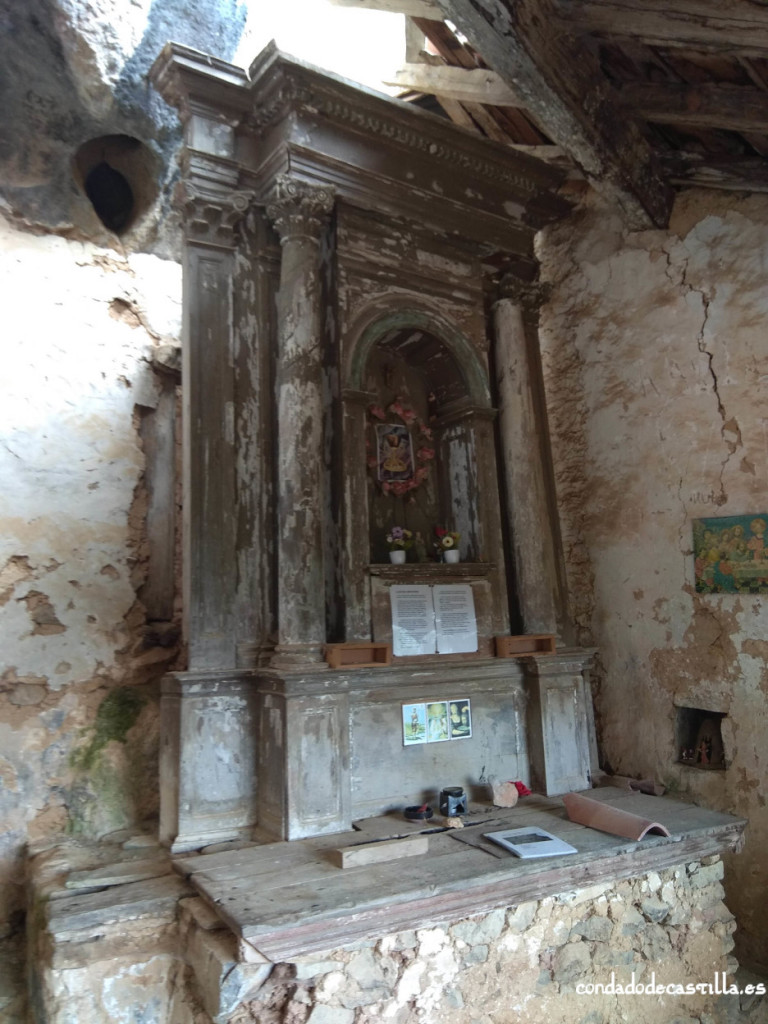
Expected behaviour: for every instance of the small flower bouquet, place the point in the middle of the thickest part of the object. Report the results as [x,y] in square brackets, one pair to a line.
[447,544]
[399,539]
[446,540]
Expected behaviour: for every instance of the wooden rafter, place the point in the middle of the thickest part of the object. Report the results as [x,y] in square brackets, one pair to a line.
[561,85]
[413,8]
[706,105]
[474,85]
[735,174]
[735,26]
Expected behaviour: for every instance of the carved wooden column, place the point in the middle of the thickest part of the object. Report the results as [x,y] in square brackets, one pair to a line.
[210,448]
[522,449]
[356,548]
[299,213]
[208,750]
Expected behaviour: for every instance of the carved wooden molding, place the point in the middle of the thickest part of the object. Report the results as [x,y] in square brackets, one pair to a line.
[213,219]
[299,210]
[294,95]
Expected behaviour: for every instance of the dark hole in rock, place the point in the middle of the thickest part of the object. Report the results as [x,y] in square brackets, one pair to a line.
[111,195]
[120,176]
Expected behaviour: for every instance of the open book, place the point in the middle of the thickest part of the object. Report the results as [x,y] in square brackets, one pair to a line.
[606,818]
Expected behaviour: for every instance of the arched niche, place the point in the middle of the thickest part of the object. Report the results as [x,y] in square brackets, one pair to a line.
[413,374]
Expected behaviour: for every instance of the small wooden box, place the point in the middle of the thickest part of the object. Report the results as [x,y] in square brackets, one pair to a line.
[519,646]
[358,655]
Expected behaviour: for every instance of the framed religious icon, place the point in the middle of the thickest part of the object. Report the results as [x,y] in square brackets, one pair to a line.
[394,452]
[437,721]
[459,718]
[414,724]
[731,554]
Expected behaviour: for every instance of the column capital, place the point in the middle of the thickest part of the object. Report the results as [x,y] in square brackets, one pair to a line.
[212,219]
[299,210]
[529,295]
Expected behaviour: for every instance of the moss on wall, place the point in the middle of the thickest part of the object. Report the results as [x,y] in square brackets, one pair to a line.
[117,714]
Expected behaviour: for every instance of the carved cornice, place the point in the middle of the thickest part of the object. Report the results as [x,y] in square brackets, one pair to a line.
[299,210]
[292,94]
[387,128]
[286,96]
[213,219]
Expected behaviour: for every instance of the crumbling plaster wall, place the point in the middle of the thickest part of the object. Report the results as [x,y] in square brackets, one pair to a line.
[656,372]
[83,311]
[79,673]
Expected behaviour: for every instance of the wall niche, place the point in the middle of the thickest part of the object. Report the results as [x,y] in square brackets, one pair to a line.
[411,452]
[698,738]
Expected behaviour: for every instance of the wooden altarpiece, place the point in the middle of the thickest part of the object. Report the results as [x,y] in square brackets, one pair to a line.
[342,260]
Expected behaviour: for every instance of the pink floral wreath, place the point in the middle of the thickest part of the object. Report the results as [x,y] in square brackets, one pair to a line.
[423,455]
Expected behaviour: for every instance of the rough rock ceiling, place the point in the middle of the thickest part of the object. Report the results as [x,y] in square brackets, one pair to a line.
[641,96]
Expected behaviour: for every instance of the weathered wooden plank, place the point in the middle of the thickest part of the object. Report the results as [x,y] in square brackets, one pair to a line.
[474,85]
[119,903]
[454,110]
[413,8]
[735,174]
[259,860]
[737,26]
[253,903]
[561,85]
[414,40]
[705,105]
[378,851]
[488,122]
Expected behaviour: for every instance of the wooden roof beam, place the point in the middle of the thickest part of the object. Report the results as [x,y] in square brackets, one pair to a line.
[413,8]
[705,105]
[472,85]
[561,86]
[734,174]
[738,26]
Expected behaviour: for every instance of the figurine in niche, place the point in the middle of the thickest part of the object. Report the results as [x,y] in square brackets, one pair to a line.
[708,751]
[395,452]
[392,455]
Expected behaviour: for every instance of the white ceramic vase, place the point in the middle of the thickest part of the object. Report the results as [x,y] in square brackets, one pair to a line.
[397,557]
[451,555]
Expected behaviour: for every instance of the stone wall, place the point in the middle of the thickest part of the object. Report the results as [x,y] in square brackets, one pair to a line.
[656,373]
[164,955]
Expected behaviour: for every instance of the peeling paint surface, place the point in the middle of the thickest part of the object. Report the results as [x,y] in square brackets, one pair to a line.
[656,366]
